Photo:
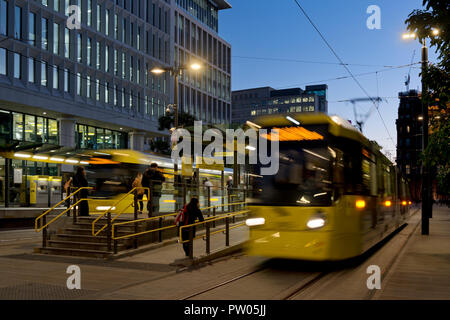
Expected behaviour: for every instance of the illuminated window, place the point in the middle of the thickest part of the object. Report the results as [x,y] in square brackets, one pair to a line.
[311,108]
[305,99]
[30,128]
[17,126]
[298,109]
[298,100]
[305,109]
[292,109]
[292,100]
[253,113]
[275,101]
[311,99]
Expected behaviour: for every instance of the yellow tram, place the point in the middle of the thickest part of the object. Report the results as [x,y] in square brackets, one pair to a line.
[335,194]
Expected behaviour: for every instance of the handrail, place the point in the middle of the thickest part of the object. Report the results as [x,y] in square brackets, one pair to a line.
[52,208]
[157,218]
[225,216]
[108,210]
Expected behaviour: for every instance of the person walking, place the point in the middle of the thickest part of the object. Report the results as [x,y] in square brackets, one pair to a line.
[153,179]
[80,181]
[139,194]
[67,186]
[191,214]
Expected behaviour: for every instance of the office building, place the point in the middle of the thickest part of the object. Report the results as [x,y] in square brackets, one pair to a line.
[250,103]
[63,88]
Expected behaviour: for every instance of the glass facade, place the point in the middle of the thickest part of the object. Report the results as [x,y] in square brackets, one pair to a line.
[203,11]
[94,138]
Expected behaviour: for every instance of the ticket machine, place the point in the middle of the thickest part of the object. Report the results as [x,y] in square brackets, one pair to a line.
[55,190]
[42,191]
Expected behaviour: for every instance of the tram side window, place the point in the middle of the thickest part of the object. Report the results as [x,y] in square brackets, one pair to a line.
[352,173]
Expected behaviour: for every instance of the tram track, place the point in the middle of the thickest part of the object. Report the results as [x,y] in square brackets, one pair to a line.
[306,280]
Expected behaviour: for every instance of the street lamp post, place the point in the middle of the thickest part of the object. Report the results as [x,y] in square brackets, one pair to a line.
[427,205]
[176,72]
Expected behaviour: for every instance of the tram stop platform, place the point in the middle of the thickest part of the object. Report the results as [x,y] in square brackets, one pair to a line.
[421,268]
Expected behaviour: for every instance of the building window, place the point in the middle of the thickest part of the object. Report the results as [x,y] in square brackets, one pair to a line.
[79,52]
[44,74]
[89,12]
[18,22]
[106,92]
[17,66]
[97,89]
[66,80]
[89,52]
[88,86]
[56,5]
[55,78]
[107,58]
[79,84]
[99,17]
[107,22]
[17,126]
[56,38]
[116,63]
[30,128]
[32,28]
[98,55]
[311,99]
[31,70]
[44,33]
[66,43]
[408,129]
[311,108]
[3,17]
[3,61]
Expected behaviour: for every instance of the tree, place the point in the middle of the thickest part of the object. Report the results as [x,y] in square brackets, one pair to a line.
[437,79]
[160,146]
[168,121]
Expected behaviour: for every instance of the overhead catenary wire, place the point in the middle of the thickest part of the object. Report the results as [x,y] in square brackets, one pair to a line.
[346,67]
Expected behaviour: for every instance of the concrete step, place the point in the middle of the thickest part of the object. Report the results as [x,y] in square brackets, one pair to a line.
[75,252]
[89,232]
[87,225]
[82,245]
[80,237]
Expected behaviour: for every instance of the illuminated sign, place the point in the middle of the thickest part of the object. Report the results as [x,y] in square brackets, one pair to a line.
[294,134]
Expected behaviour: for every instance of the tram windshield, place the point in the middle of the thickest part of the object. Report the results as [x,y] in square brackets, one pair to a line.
[304,177]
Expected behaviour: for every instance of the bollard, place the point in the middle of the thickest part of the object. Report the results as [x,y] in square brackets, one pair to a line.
[108,232]
[227,232]
[208,239]
[214,215]
[115,246]
[44,232]
[191,242]
[208,193]
[160,231]
[135,244]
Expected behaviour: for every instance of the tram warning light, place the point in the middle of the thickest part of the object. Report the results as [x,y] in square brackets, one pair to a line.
[360,204]
[388,203]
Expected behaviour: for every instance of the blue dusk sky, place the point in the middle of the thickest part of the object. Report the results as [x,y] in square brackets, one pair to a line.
[277,29]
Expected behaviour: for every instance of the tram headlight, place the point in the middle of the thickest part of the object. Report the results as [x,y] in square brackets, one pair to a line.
[316,221]
[255,222]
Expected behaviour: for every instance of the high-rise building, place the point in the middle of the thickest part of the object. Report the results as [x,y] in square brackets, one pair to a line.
[250,103]
[206,93]
[409,140]
[91,87]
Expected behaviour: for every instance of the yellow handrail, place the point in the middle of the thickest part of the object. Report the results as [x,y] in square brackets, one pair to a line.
[207,221]
[157,218]
[52,208]
[108,210]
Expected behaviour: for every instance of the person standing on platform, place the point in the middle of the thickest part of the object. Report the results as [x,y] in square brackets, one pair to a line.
[80,181]
[191,214]
[137,183]
[153,179]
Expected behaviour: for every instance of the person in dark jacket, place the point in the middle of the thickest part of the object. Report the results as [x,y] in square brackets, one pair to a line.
[193,213]
[153,179]
[80,180]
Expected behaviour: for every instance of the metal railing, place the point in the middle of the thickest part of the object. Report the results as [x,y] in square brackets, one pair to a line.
[160,221]
[207,236]
[44,215]
[108,211]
